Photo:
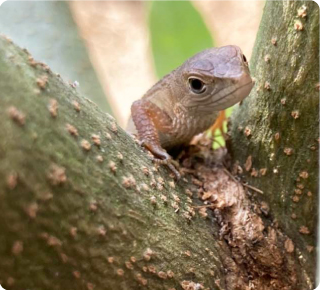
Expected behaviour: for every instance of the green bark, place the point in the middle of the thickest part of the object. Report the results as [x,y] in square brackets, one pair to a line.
[65,213]
[278,124]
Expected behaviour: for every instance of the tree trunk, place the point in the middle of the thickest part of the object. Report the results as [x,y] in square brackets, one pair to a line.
[83,207]
[275,132]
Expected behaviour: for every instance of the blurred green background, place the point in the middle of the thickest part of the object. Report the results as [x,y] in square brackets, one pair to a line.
[48,31]
[174,38]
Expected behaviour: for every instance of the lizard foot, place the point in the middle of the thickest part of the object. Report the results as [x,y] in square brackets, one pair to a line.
[162,157]
[172,165]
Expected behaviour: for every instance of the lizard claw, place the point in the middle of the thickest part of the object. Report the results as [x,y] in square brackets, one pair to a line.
[162,157]
[174,170]
[172,165]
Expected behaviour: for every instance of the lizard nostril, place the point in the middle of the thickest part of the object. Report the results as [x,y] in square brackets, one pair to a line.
[244,58]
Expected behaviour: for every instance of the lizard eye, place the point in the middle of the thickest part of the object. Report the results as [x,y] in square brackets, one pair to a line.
[197,86]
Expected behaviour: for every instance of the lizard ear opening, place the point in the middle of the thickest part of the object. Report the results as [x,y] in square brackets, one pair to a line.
[196,85]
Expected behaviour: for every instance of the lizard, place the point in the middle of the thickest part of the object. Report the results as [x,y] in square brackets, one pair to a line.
[187,101]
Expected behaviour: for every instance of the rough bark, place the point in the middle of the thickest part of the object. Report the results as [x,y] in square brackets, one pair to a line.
[83,207]
[275,132]
[80,201]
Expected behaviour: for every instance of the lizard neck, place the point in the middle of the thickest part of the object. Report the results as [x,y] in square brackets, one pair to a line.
[186,124]
[191,122]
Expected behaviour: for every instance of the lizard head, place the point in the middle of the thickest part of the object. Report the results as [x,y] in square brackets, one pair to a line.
[215,79]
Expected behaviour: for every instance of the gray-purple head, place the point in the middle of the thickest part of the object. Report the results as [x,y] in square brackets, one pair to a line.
[215,79]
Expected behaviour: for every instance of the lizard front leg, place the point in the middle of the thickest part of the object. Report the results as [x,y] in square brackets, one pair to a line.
[149,119]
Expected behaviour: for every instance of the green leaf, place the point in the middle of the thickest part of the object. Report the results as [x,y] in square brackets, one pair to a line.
[177,32]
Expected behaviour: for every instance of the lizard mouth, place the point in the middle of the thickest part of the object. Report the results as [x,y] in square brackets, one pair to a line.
[229,94]
[236,95]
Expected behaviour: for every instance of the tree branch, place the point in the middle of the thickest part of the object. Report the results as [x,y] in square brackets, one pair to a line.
[275,132]
[82,205]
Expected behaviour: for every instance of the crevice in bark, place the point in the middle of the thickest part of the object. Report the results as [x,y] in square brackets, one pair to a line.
[262,256]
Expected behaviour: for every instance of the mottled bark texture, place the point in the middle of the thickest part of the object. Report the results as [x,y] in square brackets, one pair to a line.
[82,206]
[275,132]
